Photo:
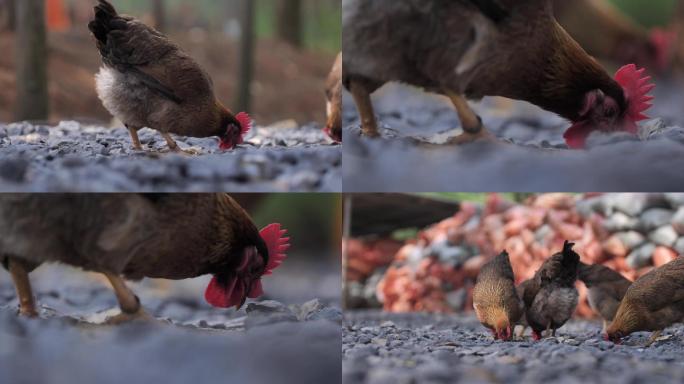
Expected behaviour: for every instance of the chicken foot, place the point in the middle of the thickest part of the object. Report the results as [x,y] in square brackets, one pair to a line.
[473,129]
[653,338]
[133,131]
[173,146]
[22,284]
[361,95]
[128,302]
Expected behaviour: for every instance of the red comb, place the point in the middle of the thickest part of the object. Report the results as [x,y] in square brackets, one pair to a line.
[245,122]
[636,87]
[276,243]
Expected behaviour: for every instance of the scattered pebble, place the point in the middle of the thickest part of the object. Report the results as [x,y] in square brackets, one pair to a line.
[531,155]
[84,158]
[457,349]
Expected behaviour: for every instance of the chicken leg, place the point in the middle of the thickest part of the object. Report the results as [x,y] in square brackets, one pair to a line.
[470,121]
[653,338]
[128,302]
[22,284]
[361,95]
[173,146]
[134,137]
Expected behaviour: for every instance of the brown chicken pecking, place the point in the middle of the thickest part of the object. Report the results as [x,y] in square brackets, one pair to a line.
[148,81]
[495,300]
[133,236]
[333,94]
[606,289]
[652,303]
[552,298]
[476,48]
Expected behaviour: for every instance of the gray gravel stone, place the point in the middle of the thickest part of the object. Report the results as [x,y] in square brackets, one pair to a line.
[72,157]
[190,342]
[631,239]
[655,217]
[641,257]
[619,221]
[538,159]
[665,235]
[678,220]
[679,246]
[675,199]
[457,349]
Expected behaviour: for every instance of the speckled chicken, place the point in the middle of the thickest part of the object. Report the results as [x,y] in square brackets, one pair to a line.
[148,81]
[333,94]
[652,303]
[133,236]
[606,289]
[551,300]
[495,300]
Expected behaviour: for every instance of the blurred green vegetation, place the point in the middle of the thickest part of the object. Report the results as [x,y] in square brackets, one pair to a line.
[648,12]
[322,18]
[322,23]
[312,220]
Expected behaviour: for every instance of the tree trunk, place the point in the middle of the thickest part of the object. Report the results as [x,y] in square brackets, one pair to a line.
[290,21]
[11,13]
[244,94]
[32,92]
[159,12]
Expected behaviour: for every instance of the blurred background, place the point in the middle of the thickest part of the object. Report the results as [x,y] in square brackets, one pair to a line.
[423,252]
[268,57]
[649,13]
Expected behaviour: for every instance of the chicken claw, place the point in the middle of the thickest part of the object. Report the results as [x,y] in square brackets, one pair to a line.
[123,317]
[653,338]
[467,138]
[175,148]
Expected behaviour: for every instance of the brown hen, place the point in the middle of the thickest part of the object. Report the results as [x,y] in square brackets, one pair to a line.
[148,81]
[495,300]
[174,236]
[653,302]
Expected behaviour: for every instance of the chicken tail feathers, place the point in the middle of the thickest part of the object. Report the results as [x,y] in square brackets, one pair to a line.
[570,259]
[100,26]
[277,244]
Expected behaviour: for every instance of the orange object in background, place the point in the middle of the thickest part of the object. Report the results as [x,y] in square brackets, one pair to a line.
[57,16]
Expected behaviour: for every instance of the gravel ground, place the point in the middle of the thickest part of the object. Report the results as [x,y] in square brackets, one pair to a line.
[531,156]
[265,342]
[428,348]
[73,157]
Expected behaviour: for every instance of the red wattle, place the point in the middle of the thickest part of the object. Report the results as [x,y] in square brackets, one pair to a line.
[219,295]
[576,136]
[256,290]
